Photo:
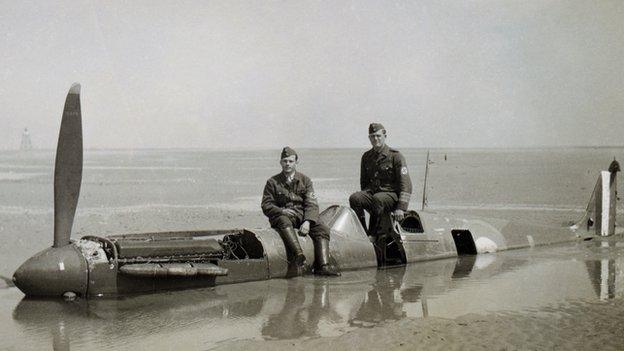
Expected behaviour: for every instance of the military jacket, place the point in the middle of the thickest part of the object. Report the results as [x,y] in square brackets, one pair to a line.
[298,195]
[386,171]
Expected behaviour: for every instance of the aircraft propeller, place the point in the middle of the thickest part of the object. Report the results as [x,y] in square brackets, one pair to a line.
[68,168]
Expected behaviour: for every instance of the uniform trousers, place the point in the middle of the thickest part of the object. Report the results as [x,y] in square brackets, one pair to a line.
[375,203]
[317,230]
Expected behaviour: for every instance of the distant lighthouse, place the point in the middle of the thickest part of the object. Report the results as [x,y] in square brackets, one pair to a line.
[26,143]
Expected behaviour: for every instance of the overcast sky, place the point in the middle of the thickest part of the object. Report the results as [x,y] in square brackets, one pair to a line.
[263,74]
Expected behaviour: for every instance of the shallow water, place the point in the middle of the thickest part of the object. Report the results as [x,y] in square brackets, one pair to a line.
[558,177]
[532,280]
[175,190]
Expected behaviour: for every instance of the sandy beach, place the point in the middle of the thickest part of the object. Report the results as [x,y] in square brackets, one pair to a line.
[580,325]
[588,323]
[567,297]
[498,125]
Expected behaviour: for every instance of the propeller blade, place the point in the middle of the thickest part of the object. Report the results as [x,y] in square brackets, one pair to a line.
[68,168]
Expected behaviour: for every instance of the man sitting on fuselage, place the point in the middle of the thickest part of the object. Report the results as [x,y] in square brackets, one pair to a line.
[289,202]
[384,180]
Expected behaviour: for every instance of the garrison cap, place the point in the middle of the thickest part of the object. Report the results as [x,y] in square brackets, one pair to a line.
[287,152]
[374,127]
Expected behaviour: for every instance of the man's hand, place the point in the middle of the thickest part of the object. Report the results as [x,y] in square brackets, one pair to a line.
[398,215]
[289,212]
[304,229]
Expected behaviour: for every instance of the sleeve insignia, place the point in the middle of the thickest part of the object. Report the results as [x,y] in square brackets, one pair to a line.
[404,170]
[312,196]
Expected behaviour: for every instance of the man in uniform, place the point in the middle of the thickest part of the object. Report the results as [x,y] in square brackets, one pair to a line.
[384,180]
[289,202]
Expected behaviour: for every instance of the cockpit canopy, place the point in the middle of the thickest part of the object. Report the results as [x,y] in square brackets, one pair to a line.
[342,219]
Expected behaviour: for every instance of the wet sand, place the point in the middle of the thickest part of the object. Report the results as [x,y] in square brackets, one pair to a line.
[580,325]
[566,296]
[562,297]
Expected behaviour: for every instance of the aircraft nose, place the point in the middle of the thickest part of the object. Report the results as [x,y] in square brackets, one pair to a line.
[52,272]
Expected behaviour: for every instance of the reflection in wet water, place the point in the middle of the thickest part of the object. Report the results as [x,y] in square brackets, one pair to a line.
[296,319]
[603,272]
[60,340]
[310,306]
[380,304]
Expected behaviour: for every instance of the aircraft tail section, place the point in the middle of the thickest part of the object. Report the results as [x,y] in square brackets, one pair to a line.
[601,209]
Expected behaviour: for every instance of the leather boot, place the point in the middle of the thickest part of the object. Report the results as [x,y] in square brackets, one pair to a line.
[292,244]
[321,253]
[373,225]
[362,219]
